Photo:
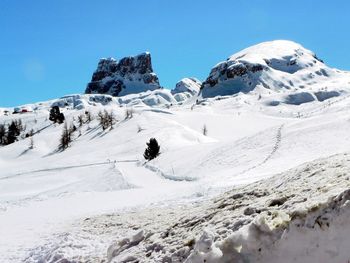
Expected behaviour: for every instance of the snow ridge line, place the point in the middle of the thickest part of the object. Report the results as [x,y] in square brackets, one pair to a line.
[63,168]
[268,157]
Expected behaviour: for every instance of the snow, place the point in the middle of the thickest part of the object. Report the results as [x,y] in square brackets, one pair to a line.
[281,70]
[190,85]
[265,184]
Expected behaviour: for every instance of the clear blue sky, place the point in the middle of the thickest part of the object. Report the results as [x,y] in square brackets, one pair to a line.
[49,48]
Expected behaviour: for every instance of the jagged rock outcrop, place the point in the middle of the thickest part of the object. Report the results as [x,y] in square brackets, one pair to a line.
[275,67]
[126,76]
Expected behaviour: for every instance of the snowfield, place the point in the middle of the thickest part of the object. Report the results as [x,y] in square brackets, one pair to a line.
[266,183]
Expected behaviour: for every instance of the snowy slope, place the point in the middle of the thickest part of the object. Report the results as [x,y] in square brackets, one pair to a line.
[258,182]
[53,189]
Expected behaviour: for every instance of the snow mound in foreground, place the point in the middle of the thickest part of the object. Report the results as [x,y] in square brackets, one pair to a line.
[301,215]
[321,235]
[293,217]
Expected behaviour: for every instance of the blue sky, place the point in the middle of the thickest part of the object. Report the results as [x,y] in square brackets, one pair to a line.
[51,48]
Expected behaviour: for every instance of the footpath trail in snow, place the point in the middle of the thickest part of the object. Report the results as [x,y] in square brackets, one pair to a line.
[274,150]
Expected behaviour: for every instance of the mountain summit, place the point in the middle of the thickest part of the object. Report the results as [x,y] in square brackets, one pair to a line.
[126,76]
[275,66]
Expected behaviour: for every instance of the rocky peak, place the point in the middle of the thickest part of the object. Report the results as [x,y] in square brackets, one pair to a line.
[126,76]
[275,65]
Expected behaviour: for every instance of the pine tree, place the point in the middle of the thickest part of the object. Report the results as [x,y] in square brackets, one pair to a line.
[13,131]
[2,134]
[55,115]
[152,150]
[66,137]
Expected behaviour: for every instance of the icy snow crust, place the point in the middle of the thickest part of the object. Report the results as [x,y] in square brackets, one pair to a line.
[266,184]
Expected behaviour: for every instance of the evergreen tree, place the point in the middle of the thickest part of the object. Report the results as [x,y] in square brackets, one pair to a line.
[152,150]
[66,137]
[2,134]
[55,115]
[13,131]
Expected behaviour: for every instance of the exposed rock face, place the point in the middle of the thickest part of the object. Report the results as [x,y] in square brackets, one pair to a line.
[276,66]
[190,85]
[127,76]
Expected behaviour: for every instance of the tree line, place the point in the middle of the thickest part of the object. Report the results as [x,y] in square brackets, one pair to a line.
[9,133]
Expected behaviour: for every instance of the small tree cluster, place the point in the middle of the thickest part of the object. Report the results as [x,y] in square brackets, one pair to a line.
[106,119]
[2,134]
[152,150]
[10,133]
[66,137]
[84,118]
[56,116]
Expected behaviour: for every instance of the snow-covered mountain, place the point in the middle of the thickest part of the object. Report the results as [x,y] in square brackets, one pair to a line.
[191,85]
[237,179]
[283,71]
[126,76]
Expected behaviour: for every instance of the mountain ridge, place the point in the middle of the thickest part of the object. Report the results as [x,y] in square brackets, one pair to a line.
[278,72]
